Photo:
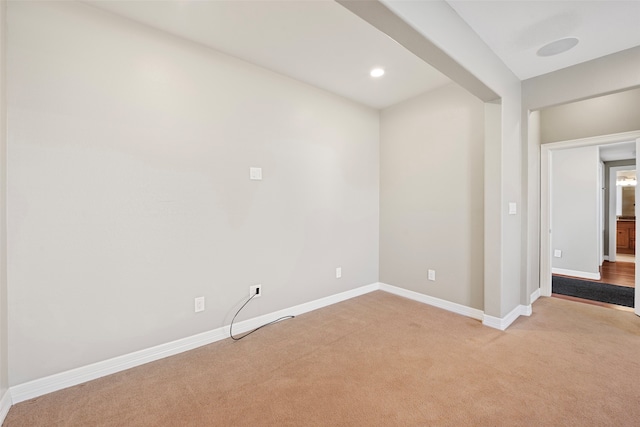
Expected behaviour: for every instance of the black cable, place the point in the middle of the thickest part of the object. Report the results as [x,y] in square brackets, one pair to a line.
[259,327]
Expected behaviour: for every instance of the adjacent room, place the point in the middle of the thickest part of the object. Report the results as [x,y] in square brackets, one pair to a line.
[317,213]
[593,191]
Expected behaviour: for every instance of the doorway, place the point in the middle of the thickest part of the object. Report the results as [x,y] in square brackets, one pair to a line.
[548,253]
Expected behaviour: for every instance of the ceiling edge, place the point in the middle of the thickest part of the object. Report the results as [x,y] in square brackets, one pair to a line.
[381,17]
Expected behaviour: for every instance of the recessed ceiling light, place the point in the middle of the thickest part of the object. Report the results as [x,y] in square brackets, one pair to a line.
[558,46]
[377,72]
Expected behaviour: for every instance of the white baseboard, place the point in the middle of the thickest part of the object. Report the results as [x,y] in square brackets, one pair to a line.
[247,325]
[525,310]
[436,302]
[490,321]
[250,324]
[576,273]
[534,296]
[506,321]
[41,386]
[5,405]
[55,382]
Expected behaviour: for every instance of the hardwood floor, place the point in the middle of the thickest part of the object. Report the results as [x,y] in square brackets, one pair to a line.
[625,258]
[615,273]
[618,273]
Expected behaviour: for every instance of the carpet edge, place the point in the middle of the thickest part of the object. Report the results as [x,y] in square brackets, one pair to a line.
[82,374]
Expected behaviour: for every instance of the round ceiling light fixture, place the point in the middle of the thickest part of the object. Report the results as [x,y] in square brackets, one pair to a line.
[558,46]
[377,72]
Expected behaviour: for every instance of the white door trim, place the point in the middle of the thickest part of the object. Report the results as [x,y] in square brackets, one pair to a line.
[545,197]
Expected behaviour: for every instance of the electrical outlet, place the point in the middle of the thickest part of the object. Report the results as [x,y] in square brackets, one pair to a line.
[199,304]
[255,290]
[338,272]
[431,275]
[557,253]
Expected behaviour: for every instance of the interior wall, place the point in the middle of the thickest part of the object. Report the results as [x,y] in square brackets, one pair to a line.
[602,115]
[598,77]
[3,206]
[130,196]
[531,188]
[574,209]
[493,229]
[439,23]
[431,195]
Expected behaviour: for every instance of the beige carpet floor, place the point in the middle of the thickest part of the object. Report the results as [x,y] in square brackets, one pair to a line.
[379,360]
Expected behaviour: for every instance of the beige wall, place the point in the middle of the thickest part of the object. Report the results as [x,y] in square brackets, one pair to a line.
[440,24]
[431,195]
[601,76]
[574,212]
[3,207]
[130,195]
[603,115]
[531,211]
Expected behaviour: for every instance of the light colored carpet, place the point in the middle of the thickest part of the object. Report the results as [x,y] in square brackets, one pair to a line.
[379,360]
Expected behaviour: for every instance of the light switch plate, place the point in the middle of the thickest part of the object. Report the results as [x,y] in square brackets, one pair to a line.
[255,174]
[513,208]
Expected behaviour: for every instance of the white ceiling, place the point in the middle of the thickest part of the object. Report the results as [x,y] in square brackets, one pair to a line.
[322,43]
[317,42]
[515,30]
[619,151]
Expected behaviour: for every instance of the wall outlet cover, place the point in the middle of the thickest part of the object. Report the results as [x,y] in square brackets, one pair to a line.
[199,304]
[255,290]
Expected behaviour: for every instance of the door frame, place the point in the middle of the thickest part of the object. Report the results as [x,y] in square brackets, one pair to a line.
[546,151]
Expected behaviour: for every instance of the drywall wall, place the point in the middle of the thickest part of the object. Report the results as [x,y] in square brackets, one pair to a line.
[3,208]
[431,195]
[531,191]
[602,115]
[574,209]
[602,76]
[129,191]
[439,23]
[492,202]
